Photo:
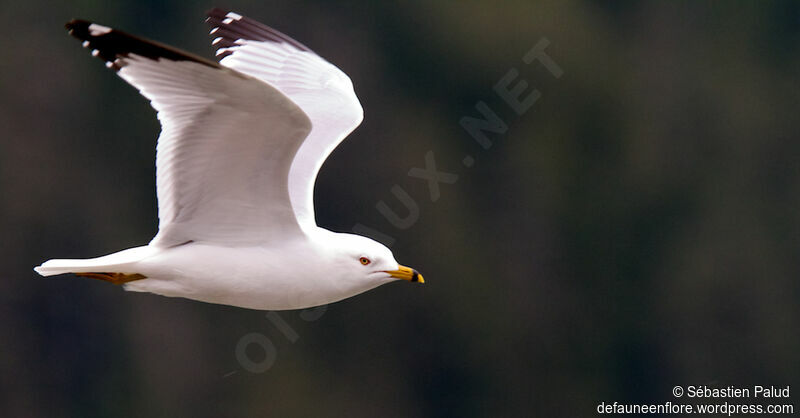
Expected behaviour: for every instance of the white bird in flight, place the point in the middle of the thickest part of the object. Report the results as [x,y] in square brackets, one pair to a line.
[240,147]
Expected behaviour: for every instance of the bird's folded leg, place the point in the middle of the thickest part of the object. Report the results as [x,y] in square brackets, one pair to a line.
[116,278]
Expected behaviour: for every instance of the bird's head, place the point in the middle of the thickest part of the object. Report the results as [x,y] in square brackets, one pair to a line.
[369,261]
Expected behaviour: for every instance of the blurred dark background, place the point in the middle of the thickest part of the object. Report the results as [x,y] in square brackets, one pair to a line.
[637,228]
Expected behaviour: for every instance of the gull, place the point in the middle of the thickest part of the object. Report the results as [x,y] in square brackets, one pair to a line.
[241,143]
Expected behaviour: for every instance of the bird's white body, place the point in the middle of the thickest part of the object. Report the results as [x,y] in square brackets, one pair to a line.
[241,144]
[250,277]
[293,274]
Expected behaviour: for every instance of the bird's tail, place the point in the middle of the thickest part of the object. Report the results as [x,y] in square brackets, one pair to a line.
[116,268]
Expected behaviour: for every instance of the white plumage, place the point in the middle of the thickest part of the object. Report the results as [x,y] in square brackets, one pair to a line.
[241,144]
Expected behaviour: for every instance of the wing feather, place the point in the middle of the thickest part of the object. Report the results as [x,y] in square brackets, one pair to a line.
[226,146]
[319,88]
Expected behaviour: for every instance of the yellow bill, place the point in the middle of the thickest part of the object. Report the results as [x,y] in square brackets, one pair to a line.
[406,273]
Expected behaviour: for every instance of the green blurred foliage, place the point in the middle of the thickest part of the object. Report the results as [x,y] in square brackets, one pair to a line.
[637,228]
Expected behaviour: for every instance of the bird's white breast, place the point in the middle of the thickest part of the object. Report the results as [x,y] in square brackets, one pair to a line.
[291,276]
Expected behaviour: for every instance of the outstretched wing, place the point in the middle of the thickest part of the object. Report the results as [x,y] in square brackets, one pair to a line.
[226,146]
[320,89]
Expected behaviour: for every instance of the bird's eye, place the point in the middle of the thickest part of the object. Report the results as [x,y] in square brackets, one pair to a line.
[364,260]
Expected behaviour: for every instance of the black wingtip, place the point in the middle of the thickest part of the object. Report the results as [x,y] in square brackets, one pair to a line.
[97,41]
[72,23]
[112,45]
[216,11]
[75,22]
[230,26]
[76,26]
[214,15]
